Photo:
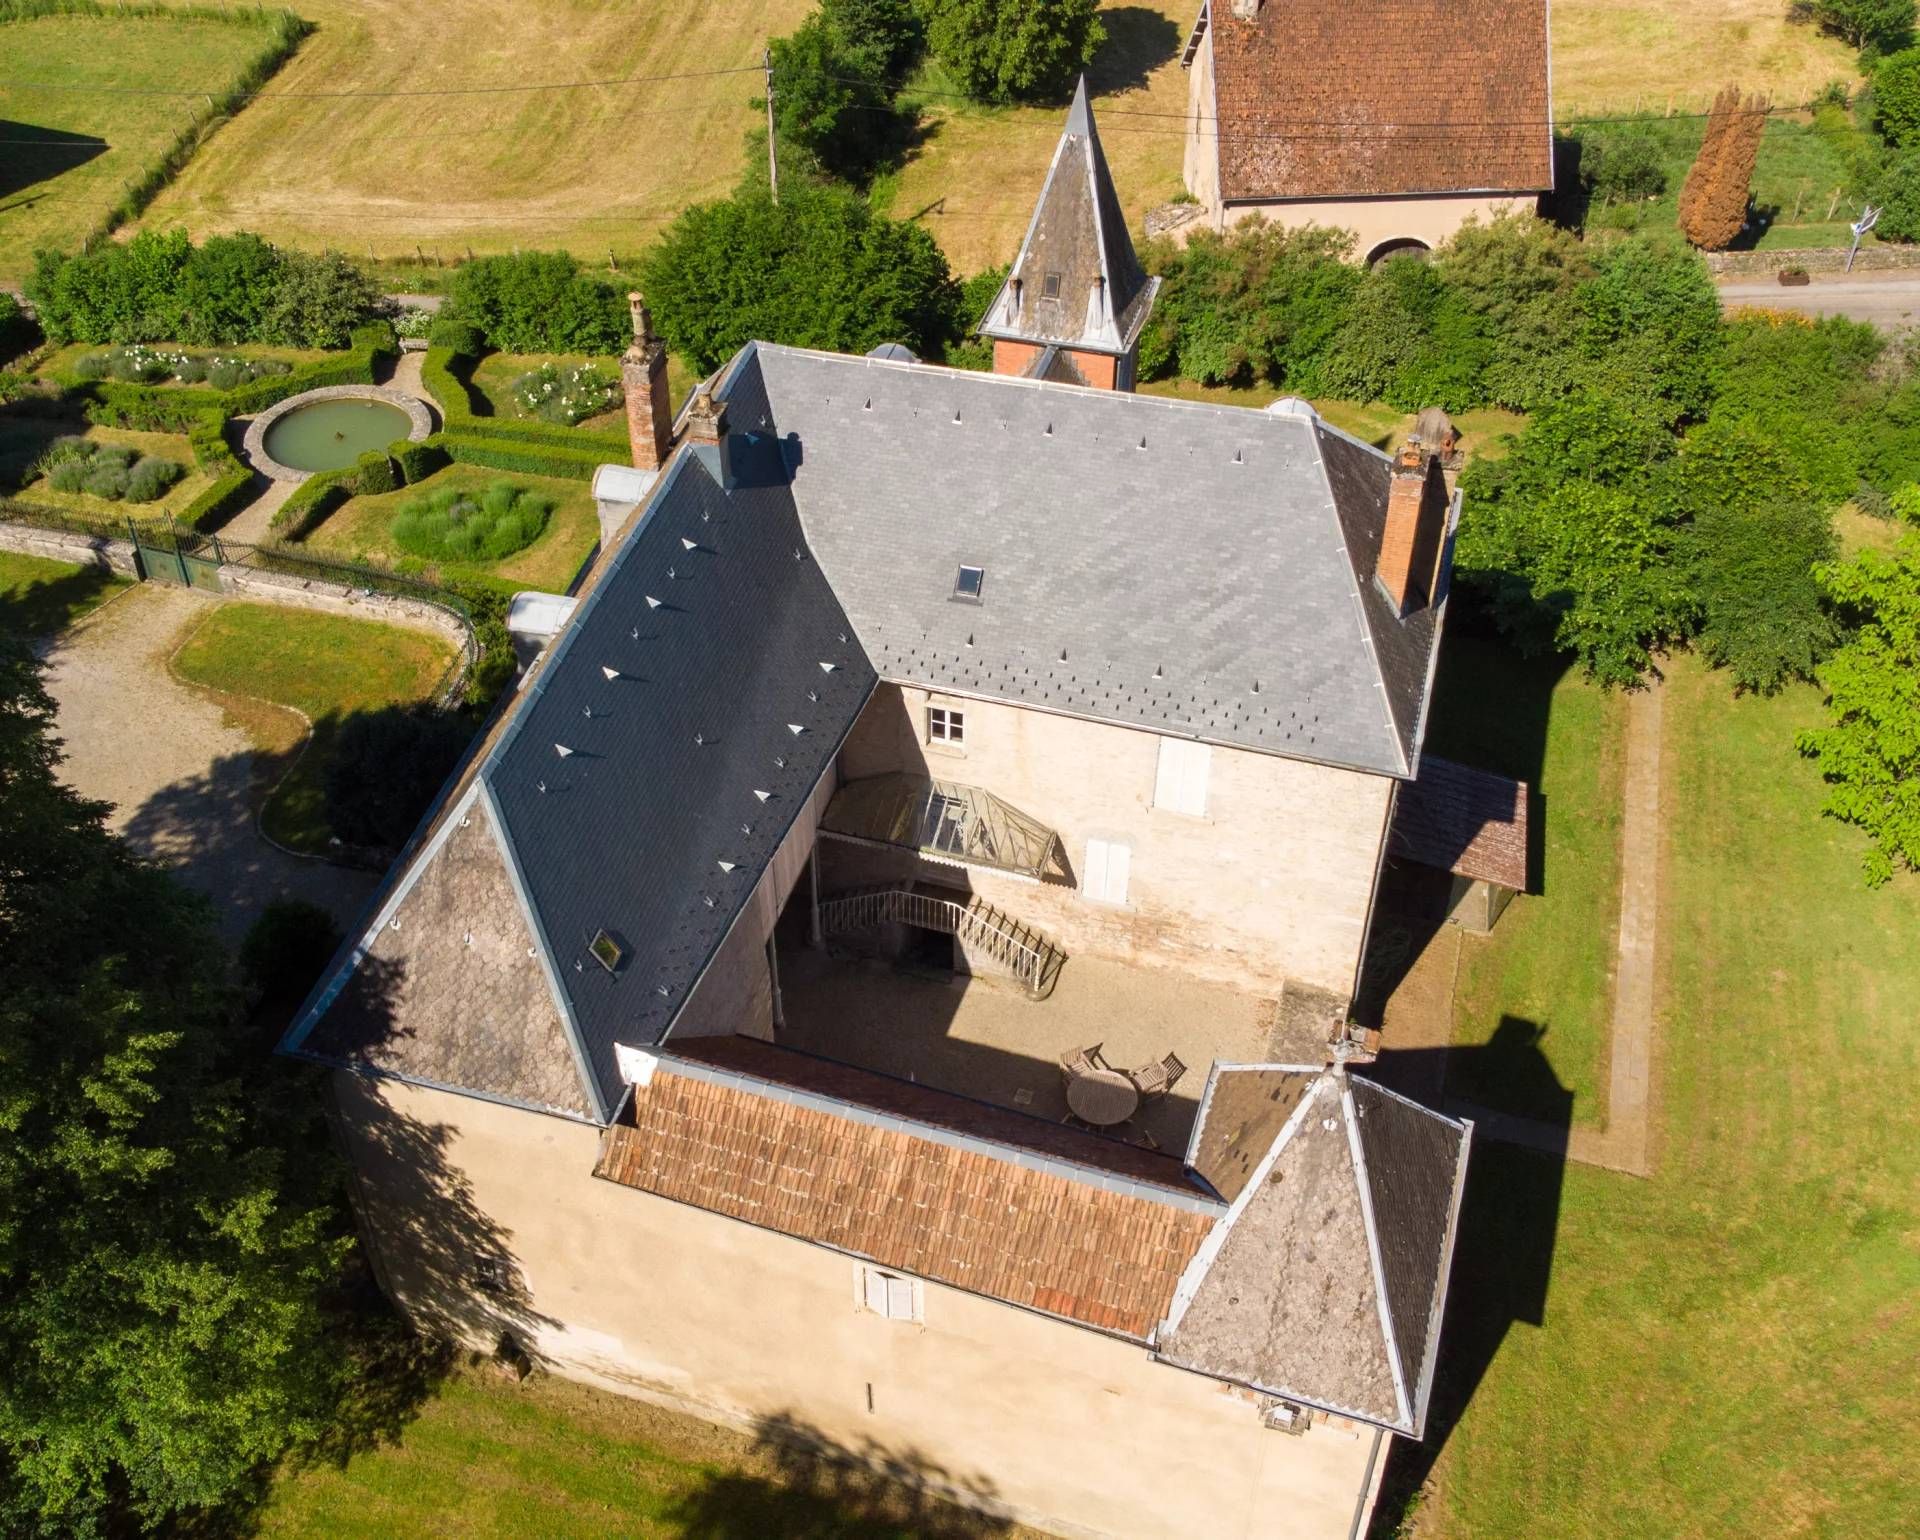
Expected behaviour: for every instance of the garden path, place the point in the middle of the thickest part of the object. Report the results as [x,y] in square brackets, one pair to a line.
[250,525]
[179,773]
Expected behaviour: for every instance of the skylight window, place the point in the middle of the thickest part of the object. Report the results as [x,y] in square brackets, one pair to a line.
[969,582]
[1050,286]
[607,952]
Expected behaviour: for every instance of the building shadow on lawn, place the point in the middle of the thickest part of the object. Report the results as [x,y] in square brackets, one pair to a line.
[825,1488]
[1503,1253]
[36,154]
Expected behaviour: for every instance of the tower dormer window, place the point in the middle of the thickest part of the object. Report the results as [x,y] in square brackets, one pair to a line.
[1050,286]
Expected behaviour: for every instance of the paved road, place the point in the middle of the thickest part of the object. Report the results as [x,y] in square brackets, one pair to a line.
[178,773]
[1889,299]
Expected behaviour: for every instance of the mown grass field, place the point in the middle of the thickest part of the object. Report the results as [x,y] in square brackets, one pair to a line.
[563,1462]
[39,597]
[358,530]
[1549,959]
[86,144]
[1727,1348]
[326,667]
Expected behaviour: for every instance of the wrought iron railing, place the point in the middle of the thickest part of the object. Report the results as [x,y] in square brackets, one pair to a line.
[1014,946]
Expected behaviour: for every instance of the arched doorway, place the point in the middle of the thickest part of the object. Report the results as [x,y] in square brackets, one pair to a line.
[1399,246]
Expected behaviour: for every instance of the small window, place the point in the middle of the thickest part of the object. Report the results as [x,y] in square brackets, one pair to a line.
[945,725]
[1050,286]
[1181,784]
[968,584]
[893,1295]
[607,952]
[1109,864]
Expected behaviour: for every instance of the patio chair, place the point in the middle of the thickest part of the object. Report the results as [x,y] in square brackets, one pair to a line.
[1082,1061]
[1155,1080]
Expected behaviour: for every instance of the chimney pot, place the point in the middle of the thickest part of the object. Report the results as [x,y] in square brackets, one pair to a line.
[643,375]
[706,418]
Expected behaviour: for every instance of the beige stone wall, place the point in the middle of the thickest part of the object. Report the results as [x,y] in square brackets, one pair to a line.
[1273,882]
[1062,1427]
[1375,221]
[1202,169]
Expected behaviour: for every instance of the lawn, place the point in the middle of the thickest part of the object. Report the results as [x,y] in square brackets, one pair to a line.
[558,1460]
[325,667]
[89,141]
[1728,1347]
[39,597]
[1549,960]
[493,377]
[24,439]
[358,531]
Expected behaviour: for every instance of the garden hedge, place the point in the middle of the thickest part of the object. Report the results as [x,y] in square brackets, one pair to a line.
[373,473]
[416,462]
[312,501]
[528,459]
[446,375]
[170,409]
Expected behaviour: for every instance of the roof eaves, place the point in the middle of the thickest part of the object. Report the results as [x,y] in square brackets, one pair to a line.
[376,1072]
[1402,1399]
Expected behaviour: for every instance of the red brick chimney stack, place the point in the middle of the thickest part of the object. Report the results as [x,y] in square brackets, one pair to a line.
[1416,527]
[643,373]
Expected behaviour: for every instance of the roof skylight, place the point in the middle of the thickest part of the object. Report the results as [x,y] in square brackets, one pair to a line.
[969,582]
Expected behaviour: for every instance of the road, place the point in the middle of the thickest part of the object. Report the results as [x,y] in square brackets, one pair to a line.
[1888,299]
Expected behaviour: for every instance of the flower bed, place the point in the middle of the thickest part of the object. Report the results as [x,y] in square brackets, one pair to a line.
[139,364]
[459,525]
[567,395]
[110,471]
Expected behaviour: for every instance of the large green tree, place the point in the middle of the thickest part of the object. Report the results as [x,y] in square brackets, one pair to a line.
[1869,752]
[1013,50]
[831,101]
[1521,276]
[165,1240]
[819,269]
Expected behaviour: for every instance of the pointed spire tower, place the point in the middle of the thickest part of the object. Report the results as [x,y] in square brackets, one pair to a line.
[1072,307]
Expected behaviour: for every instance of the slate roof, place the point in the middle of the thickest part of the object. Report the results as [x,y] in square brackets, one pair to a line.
[1076,280]
[1469,822]
[1382,98]
[1327,1280]
[959,1213]
[1184,568]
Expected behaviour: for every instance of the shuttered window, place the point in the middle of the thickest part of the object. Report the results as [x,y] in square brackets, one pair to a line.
[1181,784]
[890,1294]
[1109,863]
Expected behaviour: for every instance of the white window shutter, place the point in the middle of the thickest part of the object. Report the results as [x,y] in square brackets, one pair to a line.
[1193,781]
[900,1299]
[1180,783]
[876,1290]
[1166,780]
[1093,881]
[1119,862]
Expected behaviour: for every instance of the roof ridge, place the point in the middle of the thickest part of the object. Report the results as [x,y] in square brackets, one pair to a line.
[1364,1190]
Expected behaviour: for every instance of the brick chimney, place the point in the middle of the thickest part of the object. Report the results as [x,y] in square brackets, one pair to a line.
[643,373]
[1415,529]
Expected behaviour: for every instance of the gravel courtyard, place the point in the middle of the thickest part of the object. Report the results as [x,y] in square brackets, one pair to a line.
[178,773]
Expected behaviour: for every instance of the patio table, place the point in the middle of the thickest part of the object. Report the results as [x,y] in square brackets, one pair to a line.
[1102,1097]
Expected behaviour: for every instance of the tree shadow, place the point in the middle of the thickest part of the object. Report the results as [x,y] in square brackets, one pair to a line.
[43,608]
[823,1488]
[1504,1250]
[36,153]
[1139,40]
[1568,203]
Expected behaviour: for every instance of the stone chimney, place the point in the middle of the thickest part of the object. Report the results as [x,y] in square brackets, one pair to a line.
[643,373]
[1247,10]
[1415,529]
[706,417]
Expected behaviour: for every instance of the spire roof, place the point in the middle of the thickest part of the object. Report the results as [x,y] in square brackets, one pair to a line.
[1076,281]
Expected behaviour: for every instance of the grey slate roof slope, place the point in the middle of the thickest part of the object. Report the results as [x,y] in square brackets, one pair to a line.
[441,989]
[1189,569]
[1077,236]
[716,623]
[1326,1282]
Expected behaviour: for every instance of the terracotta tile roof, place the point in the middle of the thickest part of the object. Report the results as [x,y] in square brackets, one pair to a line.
[957,1215]
[1469,822]
[1376,98]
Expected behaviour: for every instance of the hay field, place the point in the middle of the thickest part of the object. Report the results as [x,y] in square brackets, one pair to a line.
[65,149]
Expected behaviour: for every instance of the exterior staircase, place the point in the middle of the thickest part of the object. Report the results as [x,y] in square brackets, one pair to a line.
[1013,948]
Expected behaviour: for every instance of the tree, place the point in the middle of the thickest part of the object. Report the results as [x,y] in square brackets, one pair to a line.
[818,269]
[384,770]
[227,289]
[170,1218]
[540,302]
[1014,50]
[970,351]
[1895,191]
[318,301]
[888,32]
[1713,199]
[1869,753]
[1872,26]
[1896,98]
[831,101]
[120,293]
[1521,276]
[1650,324]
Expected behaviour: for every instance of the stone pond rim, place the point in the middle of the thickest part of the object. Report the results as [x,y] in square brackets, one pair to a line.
[417,424]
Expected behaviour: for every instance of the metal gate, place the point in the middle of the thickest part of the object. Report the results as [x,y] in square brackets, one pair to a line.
[184,558]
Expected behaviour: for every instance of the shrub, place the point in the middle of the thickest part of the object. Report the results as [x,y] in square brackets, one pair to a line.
[385,768]
[970,351]
[461,526]
[568,395]
[475,447]
[1895,191]
[110,471]
[818,269]
[1872,26]
[1408,340]
[150,477]
[106,481]
[496,665]
[92,366]
[119,293]
[1013,50]
[416,462]
[373,474]
[310,502]
[413,324]
[1896,98]
[226,289]
[1520,275]
[1624,164]
[16,331]
[456,336]
[318,301]
[1650,323]
[285,950]
[540,302]
[1713,201]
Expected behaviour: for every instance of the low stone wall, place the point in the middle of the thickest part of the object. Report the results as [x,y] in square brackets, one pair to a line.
[59,545]
[1762,264]
[420,422]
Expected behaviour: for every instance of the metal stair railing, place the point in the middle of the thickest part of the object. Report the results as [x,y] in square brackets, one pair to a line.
[1022,951]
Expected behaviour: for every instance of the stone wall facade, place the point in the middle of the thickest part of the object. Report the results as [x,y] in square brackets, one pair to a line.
[484,1219]
[1273,882]
[59,545]
[1833,259]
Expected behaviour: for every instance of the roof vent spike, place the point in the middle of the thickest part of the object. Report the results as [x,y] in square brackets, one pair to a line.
[762,795]
[956,414]
[611,672]
[689,545]
[699,740]
[795,728]
[587,712]
[780,761]
[746,828]
[1239,458]
[707,899]
[671,574]
[635,633]
[652,604]
[726,866]
[1049,432]
[798,555]
[869,406]
[1158,672]
[540,786]
[828,668]
[1143,441]
[813,695]
[562,750]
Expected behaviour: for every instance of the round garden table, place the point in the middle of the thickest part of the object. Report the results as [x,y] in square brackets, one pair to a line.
[1102,1097]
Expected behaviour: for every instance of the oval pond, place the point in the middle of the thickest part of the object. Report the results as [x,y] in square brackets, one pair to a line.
[330,435]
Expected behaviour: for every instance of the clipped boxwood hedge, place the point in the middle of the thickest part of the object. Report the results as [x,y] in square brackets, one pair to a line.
[528,459]
[312,501]
[168,409]
[416,462]
[373,473]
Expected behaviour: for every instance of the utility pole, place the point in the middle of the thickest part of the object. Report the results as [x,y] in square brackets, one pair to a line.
[773,160]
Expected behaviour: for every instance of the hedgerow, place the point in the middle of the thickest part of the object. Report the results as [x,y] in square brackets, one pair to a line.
[312,501]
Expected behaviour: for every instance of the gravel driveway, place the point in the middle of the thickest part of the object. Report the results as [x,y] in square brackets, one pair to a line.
[177,774]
